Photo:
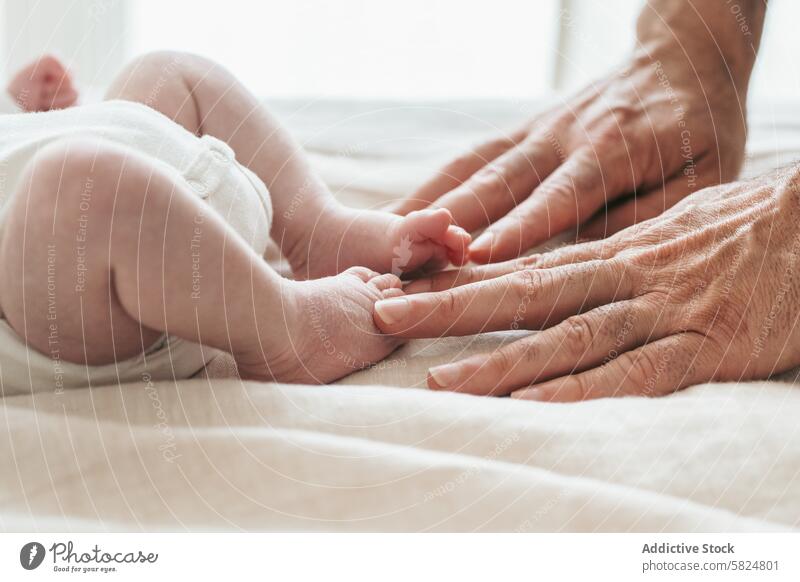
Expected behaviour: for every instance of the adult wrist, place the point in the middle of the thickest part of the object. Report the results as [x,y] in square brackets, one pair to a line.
[705,81]
[713,43]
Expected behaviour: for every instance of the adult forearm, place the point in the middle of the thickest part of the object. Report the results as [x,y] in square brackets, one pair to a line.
[717,39]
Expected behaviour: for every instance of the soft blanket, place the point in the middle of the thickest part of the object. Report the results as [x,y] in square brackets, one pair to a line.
[379,452]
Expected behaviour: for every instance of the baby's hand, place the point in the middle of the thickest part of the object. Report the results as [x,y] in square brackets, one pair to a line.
[420,242]
[427,240]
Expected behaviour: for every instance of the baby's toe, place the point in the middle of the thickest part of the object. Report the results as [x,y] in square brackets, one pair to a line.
[362,273]
[386,282]
[391,293]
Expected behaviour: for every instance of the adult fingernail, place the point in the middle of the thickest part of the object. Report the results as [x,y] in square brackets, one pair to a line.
[483,242]
[392,310]
[445,376]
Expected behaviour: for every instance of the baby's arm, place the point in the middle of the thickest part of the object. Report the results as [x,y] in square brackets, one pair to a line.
[317,234]
[207,99]
[322,237]
[423,241]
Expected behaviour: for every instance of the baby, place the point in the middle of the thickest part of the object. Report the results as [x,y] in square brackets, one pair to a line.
[132,235]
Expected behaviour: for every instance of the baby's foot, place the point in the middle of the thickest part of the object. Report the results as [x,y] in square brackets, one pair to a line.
[330,329]
[425,240]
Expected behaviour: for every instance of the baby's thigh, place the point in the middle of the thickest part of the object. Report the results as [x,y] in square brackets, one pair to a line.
[56,283]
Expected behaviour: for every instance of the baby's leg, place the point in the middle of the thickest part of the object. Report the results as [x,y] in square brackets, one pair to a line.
[117,242]
[319,236]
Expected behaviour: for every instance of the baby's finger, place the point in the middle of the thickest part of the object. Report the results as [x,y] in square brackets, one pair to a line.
[456,237]
[457,240]
[437,261]
[431,224]
[458,259]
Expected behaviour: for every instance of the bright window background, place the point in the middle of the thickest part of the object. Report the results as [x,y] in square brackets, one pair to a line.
[595,36]
[777,72]
[364,48]
[369,48]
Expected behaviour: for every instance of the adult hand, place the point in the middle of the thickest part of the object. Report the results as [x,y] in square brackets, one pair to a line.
[43,85]
[709,290]
[655,129]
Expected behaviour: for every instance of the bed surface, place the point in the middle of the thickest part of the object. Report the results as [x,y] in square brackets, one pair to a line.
[221,454]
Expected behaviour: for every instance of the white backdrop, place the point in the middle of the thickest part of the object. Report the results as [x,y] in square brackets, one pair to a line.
[368,48]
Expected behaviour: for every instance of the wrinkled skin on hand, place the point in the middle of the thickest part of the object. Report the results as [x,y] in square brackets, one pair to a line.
[43,85]
[658,129]
[709,290]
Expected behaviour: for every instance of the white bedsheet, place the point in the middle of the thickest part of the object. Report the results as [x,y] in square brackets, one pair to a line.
[224,454]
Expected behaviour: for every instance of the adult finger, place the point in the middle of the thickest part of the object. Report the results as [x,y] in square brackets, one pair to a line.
[578,343]
[658,368]
[651,204]
[502,184]
[456,173]
[569,195]
[566,255]
[528,299]
[457,277]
